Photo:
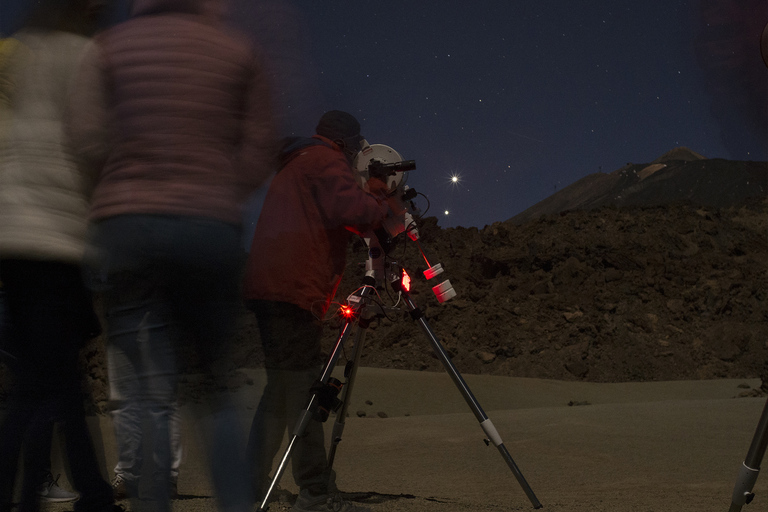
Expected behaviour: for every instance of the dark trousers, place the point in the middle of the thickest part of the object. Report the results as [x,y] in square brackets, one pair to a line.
[50,315]
[291,340]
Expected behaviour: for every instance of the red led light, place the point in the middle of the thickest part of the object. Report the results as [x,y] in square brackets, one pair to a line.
[347,311]
[406,281]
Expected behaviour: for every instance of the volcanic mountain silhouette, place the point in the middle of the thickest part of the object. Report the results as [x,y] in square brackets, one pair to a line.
[680,175]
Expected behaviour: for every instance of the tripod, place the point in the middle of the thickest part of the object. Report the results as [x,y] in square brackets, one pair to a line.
[750,468]
[323,398]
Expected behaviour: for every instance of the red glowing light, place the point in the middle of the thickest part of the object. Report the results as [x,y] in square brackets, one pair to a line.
[347,311]
[406,281]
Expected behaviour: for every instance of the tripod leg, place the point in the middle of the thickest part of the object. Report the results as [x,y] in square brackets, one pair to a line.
[742,492]
[485,422]
[338,426]
[306,415]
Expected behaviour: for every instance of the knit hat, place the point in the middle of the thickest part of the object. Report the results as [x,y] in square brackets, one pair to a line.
[336,124]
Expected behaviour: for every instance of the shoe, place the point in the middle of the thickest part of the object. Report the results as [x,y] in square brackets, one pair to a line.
[50,492]
[325,503]
[114,508]
[119,490]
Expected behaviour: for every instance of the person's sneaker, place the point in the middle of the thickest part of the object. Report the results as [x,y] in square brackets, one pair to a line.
[325,503]
[173,491]
[50,492]
[118,488]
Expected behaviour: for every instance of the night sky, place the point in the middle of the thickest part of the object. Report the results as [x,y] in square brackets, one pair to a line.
[519,99]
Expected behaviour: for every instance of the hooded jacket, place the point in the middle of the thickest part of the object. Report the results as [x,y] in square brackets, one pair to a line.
[312,208]
[43,205]
[173,113]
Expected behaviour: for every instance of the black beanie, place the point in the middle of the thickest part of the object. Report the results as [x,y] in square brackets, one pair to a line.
[336,124]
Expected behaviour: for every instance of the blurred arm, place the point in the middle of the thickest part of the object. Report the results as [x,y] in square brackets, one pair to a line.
[258,150]
[87,118]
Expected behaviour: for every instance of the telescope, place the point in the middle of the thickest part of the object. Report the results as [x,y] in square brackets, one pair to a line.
[382,162]
[377,169]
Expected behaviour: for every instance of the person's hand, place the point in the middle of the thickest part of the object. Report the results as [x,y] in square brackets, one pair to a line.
[396,206]
[377,187]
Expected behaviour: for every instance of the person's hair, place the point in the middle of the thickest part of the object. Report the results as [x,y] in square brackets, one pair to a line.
[76,16]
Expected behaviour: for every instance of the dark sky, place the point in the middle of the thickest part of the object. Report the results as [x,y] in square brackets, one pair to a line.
[520,99]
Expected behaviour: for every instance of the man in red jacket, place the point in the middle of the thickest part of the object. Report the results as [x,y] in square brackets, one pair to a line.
[312,208]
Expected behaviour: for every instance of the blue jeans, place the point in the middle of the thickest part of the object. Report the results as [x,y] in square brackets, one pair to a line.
[124,392]
[170,285]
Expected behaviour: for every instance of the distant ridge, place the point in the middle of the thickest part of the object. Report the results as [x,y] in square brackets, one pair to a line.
[678,175]
[681,153]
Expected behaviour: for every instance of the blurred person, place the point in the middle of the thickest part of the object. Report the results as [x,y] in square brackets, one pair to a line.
[43,211]
[48,489]
[298,255]
[175,114]
[126,419]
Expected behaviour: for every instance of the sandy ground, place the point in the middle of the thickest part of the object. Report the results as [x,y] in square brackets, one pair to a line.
[640,447]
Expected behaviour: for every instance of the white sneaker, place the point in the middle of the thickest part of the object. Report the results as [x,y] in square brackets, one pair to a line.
[50,492]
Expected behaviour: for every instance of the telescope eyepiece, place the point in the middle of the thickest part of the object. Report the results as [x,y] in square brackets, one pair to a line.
[377,169]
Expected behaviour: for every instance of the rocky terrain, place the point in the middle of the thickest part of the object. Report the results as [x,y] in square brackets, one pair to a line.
[606,294]
[670,285]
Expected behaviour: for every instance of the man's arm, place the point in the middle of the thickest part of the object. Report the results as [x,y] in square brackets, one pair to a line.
[344,203]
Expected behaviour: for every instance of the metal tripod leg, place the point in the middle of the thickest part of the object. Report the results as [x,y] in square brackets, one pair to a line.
[306,415]
[742,492]
[485,422]
[341,415]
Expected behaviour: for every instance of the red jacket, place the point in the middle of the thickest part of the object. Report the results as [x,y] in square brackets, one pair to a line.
[174,113]
[312,208]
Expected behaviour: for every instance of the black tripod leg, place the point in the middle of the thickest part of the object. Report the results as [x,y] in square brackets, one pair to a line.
[306,415]
[338,426]
[485,422]
[742,492]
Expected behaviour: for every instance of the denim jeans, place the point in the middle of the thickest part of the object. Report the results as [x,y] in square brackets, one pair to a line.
[170,285]
[124,390]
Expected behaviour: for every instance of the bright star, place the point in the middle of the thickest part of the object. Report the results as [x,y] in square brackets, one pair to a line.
[454,178]
[446,212]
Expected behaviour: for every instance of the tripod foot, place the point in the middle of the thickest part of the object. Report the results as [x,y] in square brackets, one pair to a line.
[742,493]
